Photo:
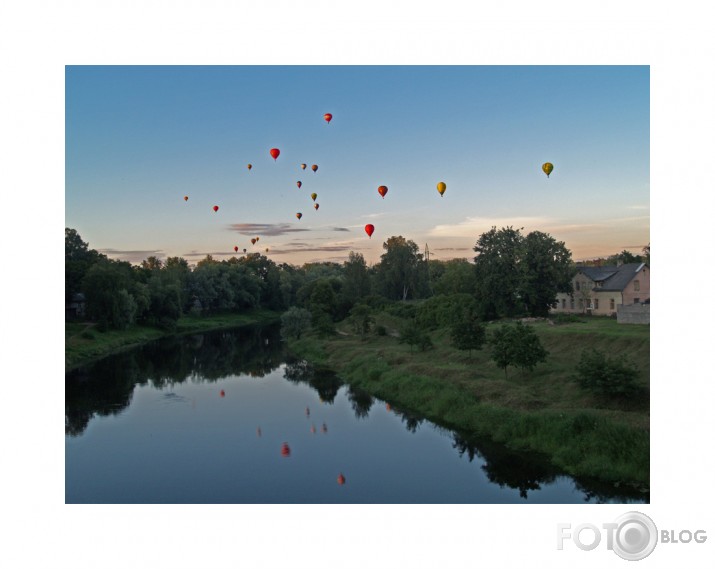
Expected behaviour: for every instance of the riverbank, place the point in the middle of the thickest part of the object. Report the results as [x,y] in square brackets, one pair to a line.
[543,411]
[85,343]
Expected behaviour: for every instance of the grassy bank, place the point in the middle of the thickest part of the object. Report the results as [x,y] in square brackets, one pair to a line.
[543,411]
[84,342]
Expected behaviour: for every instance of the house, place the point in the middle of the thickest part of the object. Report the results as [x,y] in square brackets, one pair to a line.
[600,290]
[74,309]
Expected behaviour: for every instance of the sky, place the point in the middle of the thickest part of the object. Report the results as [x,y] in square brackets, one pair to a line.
[140,138]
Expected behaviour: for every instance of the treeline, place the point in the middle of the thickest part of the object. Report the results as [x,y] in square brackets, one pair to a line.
[512,275]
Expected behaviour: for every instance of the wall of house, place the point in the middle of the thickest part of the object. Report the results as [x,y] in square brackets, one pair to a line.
[634,314]
[638,290]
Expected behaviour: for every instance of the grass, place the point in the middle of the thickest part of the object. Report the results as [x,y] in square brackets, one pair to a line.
[84,342]
[542,411]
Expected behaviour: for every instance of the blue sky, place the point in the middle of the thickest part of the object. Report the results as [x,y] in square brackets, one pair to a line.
[140,138]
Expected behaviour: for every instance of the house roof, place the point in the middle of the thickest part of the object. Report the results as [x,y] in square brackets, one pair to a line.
[613,277]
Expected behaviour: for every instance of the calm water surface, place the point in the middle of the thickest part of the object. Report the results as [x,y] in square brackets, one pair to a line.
[204,419]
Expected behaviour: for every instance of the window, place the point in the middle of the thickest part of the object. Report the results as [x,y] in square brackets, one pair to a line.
[563,304]
[595,304]
[580,302]
[572,304]
[636,300]
[636,285]
[613,304]
[578,285]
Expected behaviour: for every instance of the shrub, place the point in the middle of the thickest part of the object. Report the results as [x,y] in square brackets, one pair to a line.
[380,330]
[609,377]
[468,334]
[413,336]
[445,310]
[402,310]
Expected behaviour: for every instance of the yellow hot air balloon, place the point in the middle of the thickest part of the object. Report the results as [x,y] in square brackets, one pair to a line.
[441,188]
[547,167]
[250,166]
[314,195]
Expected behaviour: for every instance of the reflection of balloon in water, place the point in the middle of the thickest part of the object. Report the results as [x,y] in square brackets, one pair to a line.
[186,198]
[299,215]
[312,429]
[324,428]
[441,188]
[388,407]
[314,167]
[313,195]
[275,153]
[547,167]
[369,228]
[235,249]
[223,393]
[316,206]
[253,241]
[215,208]
[285,449]
[328,117]
[258,431]
[250,166]
[341,479]
[303,166]
[307,411]
[299,183]
[382,190]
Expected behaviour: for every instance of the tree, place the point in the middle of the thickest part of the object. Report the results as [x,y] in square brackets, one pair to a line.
[78,260]
[106,285]
[528,350]
[502,347]
[497,272]
[458,276]
[546,268]
[361,319]
[609,377]
[295,322]
[413,336]
[357,279]
[400,273]
[468,334]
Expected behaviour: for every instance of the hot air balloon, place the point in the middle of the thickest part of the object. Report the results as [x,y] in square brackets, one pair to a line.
[285,450]
[547,167]
[441,188]
[223,393]
[314,167]
[186,198]
[313,196]
[316,206]
[303,166]
[275,153]
[341,479]
[299,183]
[258,238]
[266,252]
[235,249]
[382,190]
[253,241]
[328,117]
[215,208]
[369,228]
[299,215]
[244,250]
[250,166]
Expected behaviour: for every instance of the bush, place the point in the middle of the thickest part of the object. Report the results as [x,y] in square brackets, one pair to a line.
[445,310]
[295,322]
[88,335]
[380,330]
[402,310]
[413,336]
[565,319]
[609,377]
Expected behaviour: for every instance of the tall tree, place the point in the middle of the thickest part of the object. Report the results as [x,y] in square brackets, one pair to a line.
[546,268]
[400,273]
[78,260]
[357,279]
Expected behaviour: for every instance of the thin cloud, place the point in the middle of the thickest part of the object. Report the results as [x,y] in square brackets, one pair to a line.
[323,249]
[452,249]
[131,256]
[473,226]
[271,229]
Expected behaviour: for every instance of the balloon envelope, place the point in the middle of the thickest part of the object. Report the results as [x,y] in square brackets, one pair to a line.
[275,153]
[215,208]
[244,250]
[253,241]
[314,167]
[299,183]
[341,479]
[369,228]
[547,167]
[250,166]
[316,206]
[313,195]
[285,449]
[328,117]
[441,188]
[186,198]
[382,190]
[303,166]
[299,215]
[235,249]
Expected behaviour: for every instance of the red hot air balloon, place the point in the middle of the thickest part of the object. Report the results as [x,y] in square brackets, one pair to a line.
[314,167]
[299,215]
[253,241]
[215,208]
[328,117]
[275,153]
[299,183]
[186,198]
[285,450]
[382,190]
[235,249]
[341,479]
[223,393]
[369,228]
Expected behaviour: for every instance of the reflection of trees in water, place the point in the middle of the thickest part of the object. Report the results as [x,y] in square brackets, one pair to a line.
[360,400]
[324,381]
[106,387]
[411,420]
[525,471]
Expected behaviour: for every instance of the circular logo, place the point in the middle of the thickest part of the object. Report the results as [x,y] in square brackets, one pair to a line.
[636,536]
